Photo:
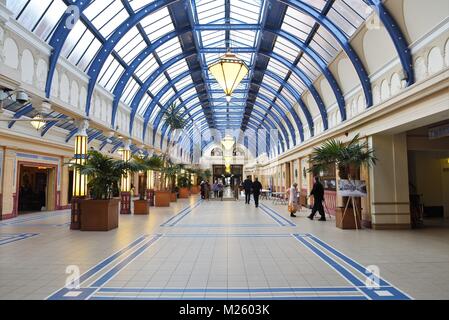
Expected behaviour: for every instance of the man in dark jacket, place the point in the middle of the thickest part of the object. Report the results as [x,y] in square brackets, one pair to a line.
[318,198]
[257,188]
[248,186]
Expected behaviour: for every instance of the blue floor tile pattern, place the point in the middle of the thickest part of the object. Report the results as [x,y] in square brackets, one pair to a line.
[97,290]
[6,238]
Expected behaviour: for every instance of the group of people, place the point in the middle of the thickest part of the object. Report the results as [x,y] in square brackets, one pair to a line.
[318,198]
[317,193]
[254,188]
[217,188]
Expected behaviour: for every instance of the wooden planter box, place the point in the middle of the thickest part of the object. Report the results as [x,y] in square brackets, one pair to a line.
[162,199]
[173,197]
[184,193]
[141,207]
[195,190]
[99,215]
[348,222]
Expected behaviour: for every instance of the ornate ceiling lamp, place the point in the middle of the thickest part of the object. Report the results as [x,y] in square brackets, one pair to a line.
[229,71]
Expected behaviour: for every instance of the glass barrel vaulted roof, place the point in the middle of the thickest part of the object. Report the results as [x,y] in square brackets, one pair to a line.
[293,59]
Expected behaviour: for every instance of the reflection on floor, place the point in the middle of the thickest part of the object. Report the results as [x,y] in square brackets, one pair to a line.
[228,250]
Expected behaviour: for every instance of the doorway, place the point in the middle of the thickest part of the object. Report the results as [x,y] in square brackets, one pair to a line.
[428,165]
[36,188]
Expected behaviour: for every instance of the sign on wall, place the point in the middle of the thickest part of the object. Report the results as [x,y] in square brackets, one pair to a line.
[304,168]
[439,132]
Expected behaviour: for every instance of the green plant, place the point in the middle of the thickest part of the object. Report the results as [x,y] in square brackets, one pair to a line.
[348,157]
[173,118]
[104,173]
[153,163]
[184,182]
[205,174]
[171,170]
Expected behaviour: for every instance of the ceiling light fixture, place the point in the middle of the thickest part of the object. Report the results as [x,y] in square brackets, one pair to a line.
[229,71]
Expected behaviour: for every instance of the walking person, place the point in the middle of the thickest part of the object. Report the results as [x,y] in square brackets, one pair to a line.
[248,186]
[293,200]
[203,189]
[318,196]
[215,189]
[220,190]
[257,188]
[207,190]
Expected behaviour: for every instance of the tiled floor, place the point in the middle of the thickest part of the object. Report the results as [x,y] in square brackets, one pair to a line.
[218,250]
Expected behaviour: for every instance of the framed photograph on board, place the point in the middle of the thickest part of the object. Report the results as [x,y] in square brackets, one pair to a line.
[352,188]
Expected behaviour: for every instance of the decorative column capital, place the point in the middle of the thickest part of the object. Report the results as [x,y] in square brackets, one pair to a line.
[82,125]
[127,144]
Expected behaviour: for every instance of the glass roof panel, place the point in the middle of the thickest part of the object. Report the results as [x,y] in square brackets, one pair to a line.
[157,24]
[147,67]
[106,15]
[210,11]
[102,17]
[286,49]
[169,50]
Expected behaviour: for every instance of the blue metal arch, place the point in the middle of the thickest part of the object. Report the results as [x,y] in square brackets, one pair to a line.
[112,41]
[21,112]
[58,39]
[275,117]
[276,78]
[314,56]
[166,88]
[126,76]
[397,37]
[133,20]
[297,97]
[250,125]
[139,95]
[51,124]
[306,81]
[150,108]
[298,72]
[271,90]
[138,60]
[322,65]
[342,40]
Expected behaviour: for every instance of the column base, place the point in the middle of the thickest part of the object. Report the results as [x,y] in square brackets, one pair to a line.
[150,197]
[125,203]
[403,226]
[75,221]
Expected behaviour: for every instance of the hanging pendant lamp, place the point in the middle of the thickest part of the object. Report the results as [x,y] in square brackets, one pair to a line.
[229,71]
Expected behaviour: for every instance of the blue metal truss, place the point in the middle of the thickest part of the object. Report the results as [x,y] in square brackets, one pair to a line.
[266,99]
[111,42]
[275,123]
[61,33]
[21,112]
[251,125]
[342,40]
[397,37]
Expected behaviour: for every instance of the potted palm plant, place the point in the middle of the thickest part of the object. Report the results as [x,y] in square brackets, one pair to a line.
[142,205]
[184,185]
[348,158]
[100,212]
[171,172]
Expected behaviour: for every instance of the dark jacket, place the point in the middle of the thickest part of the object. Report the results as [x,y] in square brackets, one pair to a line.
[257,187]
[318,192]
[247,185]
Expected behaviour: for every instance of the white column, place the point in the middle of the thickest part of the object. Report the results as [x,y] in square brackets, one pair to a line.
[390,206]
